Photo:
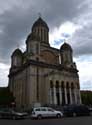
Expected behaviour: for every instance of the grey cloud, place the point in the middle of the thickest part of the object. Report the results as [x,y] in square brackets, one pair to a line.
[15,28]
[16,22]
[82,41]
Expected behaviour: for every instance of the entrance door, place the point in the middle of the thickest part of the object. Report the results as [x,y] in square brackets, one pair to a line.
[63,97]
[58,98]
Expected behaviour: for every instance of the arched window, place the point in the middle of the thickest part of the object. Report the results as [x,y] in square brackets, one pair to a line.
[72,92]
[51,84]
[68,93]
[14,61]
[57,93]
[72,85]
[62,84]
[63,93]
[77,84]
[57,84]
[67,85]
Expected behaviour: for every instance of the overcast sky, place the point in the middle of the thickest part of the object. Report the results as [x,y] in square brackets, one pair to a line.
[67,19]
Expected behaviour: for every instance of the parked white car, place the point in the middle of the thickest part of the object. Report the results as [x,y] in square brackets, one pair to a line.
[42,112]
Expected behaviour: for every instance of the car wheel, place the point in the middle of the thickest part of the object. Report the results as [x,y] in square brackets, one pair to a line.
[39,117]
[58,116]
[74,114]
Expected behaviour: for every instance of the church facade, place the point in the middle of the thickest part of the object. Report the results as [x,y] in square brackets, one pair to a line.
[43,74]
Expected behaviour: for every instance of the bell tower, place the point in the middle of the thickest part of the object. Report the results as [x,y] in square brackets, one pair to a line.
[40,29]
[39,36]
[66,54]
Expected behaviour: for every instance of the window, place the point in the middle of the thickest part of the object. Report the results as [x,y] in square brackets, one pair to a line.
[67,85]
[50,109]
[62,84]
[38,109]
[15,61]
[51,84]
[43,109]
[77,85]
[72,85]
[57,84]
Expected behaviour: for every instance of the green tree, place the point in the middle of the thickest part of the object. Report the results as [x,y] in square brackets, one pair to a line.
[6,97]
[86,97]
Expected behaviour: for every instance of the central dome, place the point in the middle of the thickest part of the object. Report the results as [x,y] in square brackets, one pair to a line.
[40,22]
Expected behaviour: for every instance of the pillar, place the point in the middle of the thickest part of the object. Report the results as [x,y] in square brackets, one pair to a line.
[54,94]
[75,95]
[79,97]
[70,93]
[50,96]
[65,95]
[60,94]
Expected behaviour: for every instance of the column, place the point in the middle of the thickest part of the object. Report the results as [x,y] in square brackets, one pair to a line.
[79,97]
[75,95]
[70,95]
[50,96]
[54,94]
[65,95]
[60,95]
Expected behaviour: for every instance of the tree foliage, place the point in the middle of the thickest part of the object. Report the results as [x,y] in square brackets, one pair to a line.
[6,97]
[86,97]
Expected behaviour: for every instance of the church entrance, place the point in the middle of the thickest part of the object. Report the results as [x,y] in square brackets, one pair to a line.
[68,93]
[58,98]
[63,93]
[57,93]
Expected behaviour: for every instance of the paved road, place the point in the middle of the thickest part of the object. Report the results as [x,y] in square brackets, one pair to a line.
[63,121]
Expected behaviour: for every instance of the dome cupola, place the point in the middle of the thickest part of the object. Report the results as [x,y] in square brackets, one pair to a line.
[17,52]
[65,47]
[40,28]
[66,54]
[16,58]
[40,22]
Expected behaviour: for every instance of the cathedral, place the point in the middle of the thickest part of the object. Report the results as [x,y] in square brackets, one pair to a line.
[43,74]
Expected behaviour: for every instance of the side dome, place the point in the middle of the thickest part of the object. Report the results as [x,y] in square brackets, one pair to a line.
[65,46]
[17,52]
[40,22]
[16,58]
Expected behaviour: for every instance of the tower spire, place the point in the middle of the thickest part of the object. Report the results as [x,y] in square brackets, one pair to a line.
[18,45]
[64,40]
[39,15]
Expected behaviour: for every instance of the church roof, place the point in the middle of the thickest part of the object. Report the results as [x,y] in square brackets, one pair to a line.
[40,22]
[65,46]
[17,52]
